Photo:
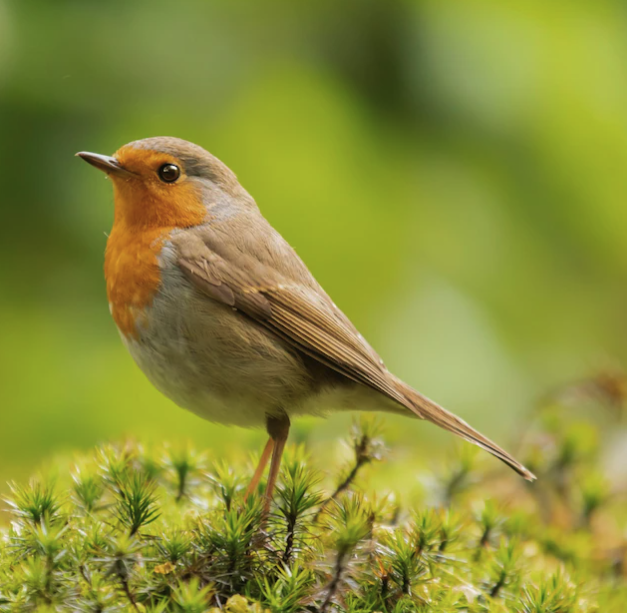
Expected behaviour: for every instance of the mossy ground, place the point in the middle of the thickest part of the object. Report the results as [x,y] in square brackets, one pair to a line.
[152,530]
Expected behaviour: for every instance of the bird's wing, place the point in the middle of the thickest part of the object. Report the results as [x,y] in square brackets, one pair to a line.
[300,313]
[272,286]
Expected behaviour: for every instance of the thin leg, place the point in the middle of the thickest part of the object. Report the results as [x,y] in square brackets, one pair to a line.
[278,429]
[263,461]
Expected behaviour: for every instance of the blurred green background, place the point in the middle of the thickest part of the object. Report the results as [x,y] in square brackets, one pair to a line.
[454,174]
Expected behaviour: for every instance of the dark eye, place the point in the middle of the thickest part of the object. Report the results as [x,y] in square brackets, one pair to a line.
[169,173]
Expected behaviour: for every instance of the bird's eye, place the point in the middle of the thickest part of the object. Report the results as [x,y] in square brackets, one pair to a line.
[169,173]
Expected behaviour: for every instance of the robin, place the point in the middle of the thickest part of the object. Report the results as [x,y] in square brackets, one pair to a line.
[222,315]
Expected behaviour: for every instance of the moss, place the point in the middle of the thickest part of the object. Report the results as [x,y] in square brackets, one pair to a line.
[161,530]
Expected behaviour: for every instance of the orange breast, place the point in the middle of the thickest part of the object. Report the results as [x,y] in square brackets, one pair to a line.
[146,211]
[132,274]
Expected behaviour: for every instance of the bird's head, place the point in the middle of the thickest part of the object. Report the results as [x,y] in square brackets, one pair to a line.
[164,182]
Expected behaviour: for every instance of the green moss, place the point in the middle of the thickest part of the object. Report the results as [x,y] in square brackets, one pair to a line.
[159,530]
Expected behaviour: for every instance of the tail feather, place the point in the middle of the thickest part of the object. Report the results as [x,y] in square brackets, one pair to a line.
[429,410]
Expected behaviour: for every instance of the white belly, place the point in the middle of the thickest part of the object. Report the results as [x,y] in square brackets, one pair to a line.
[215,362]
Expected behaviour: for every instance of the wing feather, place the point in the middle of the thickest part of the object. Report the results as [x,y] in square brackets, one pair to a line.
[276,290]
[305,317]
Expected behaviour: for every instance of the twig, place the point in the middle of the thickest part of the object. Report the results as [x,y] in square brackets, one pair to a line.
[335,582]
[362,457]
[128,593]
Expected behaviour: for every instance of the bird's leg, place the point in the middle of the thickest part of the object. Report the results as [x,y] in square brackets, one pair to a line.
[263,461]
[278,429]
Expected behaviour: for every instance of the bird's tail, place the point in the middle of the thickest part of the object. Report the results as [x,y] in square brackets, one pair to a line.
[429,410]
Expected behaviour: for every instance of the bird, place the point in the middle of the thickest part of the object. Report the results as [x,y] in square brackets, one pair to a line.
[222,315]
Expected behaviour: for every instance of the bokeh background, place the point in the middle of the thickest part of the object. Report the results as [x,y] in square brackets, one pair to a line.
[454,174]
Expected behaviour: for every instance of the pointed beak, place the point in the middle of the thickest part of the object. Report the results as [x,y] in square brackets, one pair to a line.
[105,163]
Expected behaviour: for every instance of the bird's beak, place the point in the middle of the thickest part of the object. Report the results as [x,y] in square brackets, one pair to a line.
[105,163]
